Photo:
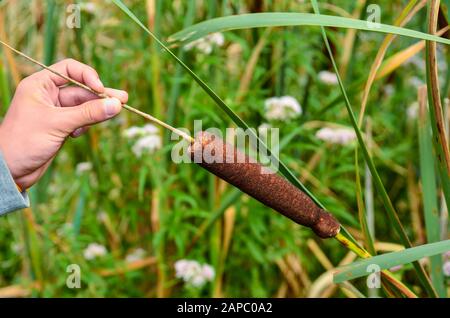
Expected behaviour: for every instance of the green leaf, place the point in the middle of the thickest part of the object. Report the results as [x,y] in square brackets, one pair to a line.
[429,192]
[385,261]
[368,239]
[142,182]
[278,19]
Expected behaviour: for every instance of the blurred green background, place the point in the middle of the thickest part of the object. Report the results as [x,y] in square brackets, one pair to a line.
[144,213]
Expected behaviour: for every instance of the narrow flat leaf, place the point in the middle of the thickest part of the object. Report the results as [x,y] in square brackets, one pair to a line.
[386,261]
[283,19]
[429,192]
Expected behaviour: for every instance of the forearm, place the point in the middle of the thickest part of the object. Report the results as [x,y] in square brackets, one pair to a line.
[10,197]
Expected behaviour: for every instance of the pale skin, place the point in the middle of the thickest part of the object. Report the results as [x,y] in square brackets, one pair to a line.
[44,113]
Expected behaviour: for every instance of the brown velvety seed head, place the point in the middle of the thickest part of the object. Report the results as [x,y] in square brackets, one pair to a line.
[271,189]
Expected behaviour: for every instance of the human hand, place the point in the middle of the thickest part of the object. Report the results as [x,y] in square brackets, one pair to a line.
[43,114]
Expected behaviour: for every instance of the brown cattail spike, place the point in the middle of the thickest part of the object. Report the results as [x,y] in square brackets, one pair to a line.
[271,189]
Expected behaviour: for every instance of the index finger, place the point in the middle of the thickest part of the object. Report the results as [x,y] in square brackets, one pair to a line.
[75,70]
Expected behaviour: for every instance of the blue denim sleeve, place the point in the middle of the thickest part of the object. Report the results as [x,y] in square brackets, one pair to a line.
[10,197]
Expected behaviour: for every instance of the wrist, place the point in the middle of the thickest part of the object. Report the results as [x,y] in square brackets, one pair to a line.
[6,154]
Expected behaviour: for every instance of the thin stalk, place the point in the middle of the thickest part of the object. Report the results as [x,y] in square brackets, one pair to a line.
[101,95]
[176,87]
[349,40]
[50,32]
[435,110]
[4,86]
[429,191]
[368,238]
[408,12]
[38,193]
[154,11]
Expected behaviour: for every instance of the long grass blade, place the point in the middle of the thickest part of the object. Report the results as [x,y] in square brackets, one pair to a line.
[407,13]
[176,87]
[428,178]
[279,19]
[440,141]
[388,260]
[361,210]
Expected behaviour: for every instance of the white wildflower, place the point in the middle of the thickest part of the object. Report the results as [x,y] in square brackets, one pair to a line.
[340,136]
[197,281]
[88,7]
[83,167]
[282,108]
[133,132]
[217,39]
[207,43]
[94,250]
[137,255]
[102,216]
[150,129]
[193,273]
[148,139]
[208,272]
[147,144]
[396,268]
[446,268]
[328,78]
[412,111]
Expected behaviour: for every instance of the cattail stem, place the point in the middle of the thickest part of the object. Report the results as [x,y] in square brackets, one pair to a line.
[101,95]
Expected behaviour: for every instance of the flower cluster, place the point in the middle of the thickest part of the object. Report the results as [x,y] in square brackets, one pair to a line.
[206,44]
[446,266]
[328,78]
[93,251]
[88,7]
[148,139]
[193,273]
[340,136]
[83,167]
[282,108]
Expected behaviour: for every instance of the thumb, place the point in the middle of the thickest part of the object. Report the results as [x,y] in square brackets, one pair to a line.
[92,112]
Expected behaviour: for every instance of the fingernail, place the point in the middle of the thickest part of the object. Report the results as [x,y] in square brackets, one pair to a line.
[112,107]
[98,82]
[124,96]
[77,132]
